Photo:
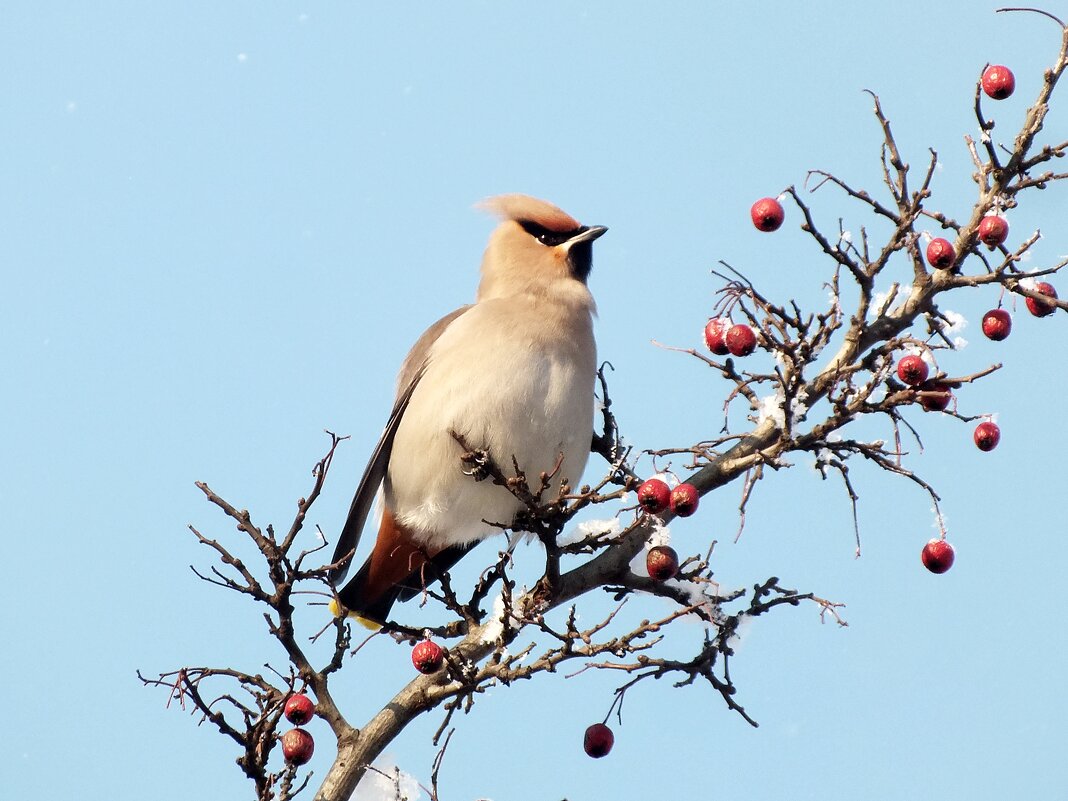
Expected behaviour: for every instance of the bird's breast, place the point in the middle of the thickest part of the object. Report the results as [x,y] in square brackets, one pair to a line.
[514,380]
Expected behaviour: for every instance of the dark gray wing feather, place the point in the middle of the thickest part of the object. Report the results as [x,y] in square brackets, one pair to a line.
[372,478]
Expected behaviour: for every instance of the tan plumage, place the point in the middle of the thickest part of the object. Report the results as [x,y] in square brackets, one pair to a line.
[513,373]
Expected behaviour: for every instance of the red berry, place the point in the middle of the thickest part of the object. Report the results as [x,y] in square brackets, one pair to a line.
[297,746]
[1041,308]
[997,324]
[940,254]
[598,740]
[662,562]
[936,396]
[987,436]
[684,499]
[715,331]
[654,496]
[912,369]
[767,214]
[937,556]
[998,81]
[427,656]
[299,709]
[741,341]
[993,230]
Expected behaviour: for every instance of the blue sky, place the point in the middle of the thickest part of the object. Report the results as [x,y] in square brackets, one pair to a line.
[222,226]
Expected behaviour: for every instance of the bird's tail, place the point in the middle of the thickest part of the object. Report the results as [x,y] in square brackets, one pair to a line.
[371,593]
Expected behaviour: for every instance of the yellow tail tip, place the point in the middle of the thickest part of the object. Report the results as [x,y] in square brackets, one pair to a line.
[337,611]
[366,622]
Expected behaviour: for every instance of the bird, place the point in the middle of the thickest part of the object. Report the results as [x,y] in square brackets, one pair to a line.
[512,374]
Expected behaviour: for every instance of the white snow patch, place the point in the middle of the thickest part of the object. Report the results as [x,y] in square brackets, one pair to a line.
[638,565]
[912,349]
[798,407]
[771,408]
[954,322]
[701,593]
[741,633]
[824,455]
[890,296]
[495,624]
[660,535]
[668,478]
[603,529]
[395,785]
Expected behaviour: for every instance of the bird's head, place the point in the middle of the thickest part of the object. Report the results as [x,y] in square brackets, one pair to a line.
[537,248]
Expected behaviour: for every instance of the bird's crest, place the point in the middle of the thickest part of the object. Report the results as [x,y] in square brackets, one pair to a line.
[524,208]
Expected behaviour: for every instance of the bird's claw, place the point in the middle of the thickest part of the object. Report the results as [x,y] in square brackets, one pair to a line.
[476,464]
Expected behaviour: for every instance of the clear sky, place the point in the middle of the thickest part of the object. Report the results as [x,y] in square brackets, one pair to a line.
[223,224]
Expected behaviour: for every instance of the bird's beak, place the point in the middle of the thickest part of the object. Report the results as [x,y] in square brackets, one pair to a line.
[588,235]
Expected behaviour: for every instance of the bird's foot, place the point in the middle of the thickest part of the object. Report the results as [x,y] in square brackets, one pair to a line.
[476,464]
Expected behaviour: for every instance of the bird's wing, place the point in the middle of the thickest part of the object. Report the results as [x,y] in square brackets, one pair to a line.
[411,372]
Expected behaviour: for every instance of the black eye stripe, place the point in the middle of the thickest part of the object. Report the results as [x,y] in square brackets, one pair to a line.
[547,237]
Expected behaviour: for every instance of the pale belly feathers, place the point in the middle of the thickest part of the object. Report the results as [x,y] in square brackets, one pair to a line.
[533,401]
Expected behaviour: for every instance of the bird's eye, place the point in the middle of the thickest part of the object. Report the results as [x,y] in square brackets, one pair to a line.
[545,236]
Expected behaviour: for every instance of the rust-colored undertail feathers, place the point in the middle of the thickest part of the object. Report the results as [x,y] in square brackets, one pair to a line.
[373,590]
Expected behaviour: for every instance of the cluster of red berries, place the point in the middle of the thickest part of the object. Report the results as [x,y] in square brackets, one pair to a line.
[723,337]
[654,496]
[937,555]
[767,214]
[428,657]
[997,82]
[934,396]
[297,744]
[662,562]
